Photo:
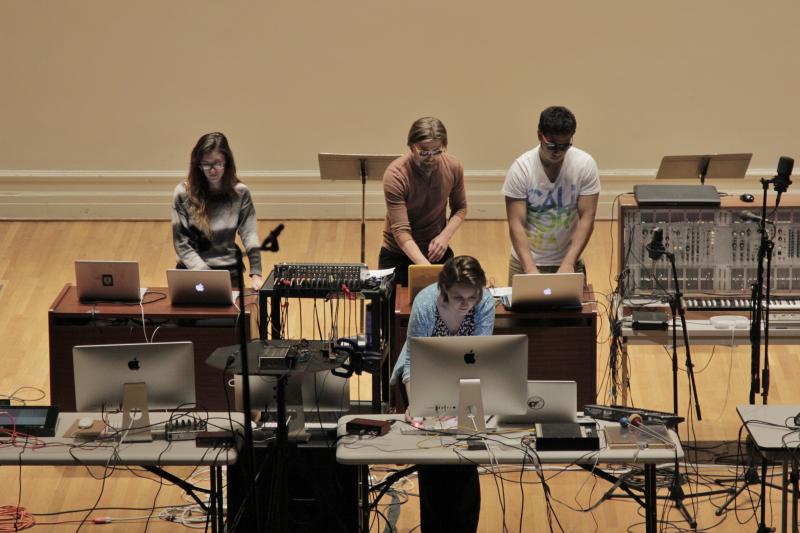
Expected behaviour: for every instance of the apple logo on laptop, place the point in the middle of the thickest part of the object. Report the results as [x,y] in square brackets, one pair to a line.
[535,403]
[469,357]
[199,287]
[133,364]
[107,280]
[548,291]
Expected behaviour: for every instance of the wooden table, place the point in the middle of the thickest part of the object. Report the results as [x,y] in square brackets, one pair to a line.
[71,323]
[561,344]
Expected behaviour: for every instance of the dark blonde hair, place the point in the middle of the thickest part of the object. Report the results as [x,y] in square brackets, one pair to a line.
[464,270]
[427,129]
[197,184]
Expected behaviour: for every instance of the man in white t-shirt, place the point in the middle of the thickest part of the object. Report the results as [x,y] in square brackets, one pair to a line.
[551,200]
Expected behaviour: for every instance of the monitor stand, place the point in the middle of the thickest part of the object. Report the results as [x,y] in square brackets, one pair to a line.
[135,413]
[470,406]
[296,427]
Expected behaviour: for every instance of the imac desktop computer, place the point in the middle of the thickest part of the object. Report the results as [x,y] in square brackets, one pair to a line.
[469,377]
[134,378]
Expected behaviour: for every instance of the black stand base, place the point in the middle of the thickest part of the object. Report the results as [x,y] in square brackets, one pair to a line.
[320,495]
[676,495]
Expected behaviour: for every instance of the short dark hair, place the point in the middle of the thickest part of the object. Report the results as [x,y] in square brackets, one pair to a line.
[557,120]
[462,269]
[427,129]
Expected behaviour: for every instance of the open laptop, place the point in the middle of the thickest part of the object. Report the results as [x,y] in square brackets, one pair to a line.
[419,277]
[546,291]
[200,287]
[548,401]
[108,281]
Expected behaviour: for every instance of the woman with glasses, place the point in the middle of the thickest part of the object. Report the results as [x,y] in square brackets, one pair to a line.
[417,188]
[457,305]
[209,208]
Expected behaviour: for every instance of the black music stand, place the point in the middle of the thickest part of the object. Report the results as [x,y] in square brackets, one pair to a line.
[354,167]
[716,166]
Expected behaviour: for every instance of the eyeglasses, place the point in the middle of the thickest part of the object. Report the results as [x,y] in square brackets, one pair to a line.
[556,147]
[430,153]
[215,164]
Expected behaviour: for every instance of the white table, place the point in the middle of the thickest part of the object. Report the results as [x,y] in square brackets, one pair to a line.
[772,430]
[63,451]
[506,448]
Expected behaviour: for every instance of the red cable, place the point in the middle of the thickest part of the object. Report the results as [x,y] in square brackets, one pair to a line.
[15,518]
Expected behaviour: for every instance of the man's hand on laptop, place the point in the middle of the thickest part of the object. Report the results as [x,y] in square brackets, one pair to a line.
[566,268]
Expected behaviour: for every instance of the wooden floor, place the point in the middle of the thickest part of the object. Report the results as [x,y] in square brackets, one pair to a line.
[36,259]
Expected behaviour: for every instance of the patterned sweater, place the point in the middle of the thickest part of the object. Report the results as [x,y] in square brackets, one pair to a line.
[227,217]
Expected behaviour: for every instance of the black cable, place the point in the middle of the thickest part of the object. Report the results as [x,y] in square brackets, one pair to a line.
[160,486]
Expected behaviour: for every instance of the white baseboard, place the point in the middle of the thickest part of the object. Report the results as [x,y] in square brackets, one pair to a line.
[286,195]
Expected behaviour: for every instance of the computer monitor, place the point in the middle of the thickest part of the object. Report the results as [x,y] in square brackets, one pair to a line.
[101,372]
[469,377]
[306,393]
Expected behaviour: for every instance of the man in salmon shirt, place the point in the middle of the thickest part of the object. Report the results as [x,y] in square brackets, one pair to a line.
[418,187]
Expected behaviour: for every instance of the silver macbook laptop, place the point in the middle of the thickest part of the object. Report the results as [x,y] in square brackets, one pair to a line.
[200,287]
[537,291]
[548,401]
[108,281]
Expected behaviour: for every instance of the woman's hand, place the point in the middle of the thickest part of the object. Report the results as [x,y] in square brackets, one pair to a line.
[257,282]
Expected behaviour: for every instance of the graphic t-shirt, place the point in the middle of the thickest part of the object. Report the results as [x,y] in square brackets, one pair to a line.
[552,207]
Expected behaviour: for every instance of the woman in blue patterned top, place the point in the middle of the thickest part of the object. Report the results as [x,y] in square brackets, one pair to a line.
[459,304]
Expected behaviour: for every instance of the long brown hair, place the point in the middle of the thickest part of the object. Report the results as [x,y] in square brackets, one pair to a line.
[197,183]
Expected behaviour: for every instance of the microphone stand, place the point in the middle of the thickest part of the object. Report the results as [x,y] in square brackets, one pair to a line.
[270,244]
[676,305]
[760,307]
[249,456]
[676,493]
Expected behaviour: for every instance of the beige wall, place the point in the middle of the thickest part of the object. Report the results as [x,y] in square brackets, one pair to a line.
[103,100]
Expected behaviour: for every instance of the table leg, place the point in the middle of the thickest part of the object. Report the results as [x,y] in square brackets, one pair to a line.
[784,491]
[762,526]
[650,516]
[363,498]
[794,495]
[213,510]
[218,495]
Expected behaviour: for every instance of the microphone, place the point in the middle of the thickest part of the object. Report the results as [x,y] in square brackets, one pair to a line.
[270,244]
[782,180]
[752,217]
[656,247]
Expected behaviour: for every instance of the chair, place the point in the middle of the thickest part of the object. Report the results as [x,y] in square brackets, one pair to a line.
[419,277]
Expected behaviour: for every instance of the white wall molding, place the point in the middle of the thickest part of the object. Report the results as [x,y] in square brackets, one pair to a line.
[290,194]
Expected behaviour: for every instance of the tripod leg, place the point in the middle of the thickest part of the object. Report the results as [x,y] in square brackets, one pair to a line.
[677,495]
